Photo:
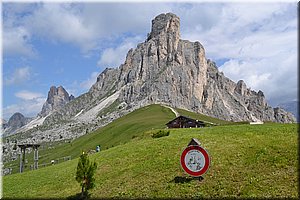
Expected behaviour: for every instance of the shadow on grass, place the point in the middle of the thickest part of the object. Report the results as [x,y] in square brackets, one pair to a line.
[182,179]
[78,196]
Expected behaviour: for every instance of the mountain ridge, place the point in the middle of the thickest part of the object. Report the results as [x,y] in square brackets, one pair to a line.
[292,107]
[164,69]
[56,99]
[167,69]
[16,121]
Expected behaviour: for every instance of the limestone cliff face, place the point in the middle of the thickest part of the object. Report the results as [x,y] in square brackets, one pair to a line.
[228,100]
[57,98]
[166,69]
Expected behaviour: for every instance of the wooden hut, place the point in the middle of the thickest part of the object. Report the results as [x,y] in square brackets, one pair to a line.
[185,122]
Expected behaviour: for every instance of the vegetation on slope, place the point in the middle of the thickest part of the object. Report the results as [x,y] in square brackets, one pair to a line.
[247,161]
[120,131]
[209,120]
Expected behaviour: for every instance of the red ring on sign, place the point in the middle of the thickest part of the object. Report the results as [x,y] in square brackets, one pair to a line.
[206,157]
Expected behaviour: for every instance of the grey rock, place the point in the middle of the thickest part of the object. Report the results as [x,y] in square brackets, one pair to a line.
[292,107]
[166,69]
[16,121]
[163,69]
[240,87]
[3,123]
[57,98]
[283,116]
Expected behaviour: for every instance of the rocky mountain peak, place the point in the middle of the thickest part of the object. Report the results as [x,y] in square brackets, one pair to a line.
[165,24]
[59,91]
[167,69]
[164,69]
[57,98]
[291,106]
[282,116]
[16,121]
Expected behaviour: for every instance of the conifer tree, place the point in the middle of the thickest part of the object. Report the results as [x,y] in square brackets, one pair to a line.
[85,174]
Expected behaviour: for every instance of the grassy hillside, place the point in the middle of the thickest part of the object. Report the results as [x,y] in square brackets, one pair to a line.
[206,118]
[118,132]
[247,161]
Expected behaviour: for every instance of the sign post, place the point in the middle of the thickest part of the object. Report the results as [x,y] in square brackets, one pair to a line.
[194,159]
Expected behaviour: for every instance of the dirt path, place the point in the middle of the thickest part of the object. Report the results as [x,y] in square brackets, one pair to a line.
[173,110]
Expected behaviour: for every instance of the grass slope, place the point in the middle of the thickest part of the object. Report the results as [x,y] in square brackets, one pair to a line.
[247,161]
[206,118]
[120,131]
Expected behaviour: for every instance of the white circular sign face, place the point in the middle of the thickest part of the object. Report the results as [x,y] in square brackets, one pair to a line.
[194,160]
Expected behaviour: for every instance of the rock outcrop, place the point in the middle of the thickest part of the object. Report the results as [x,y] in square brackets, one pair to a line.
[292,107]
[163,69]
[15,122]
[3,123]
[282,116]
[57,98]
[166,69]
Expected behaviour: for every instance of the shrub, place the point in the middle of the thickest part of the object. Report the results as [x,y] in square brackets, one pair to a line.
[160,133]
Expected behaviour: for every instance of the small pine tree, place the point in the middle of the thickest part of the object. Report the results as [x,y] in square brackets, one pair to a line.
[85,174]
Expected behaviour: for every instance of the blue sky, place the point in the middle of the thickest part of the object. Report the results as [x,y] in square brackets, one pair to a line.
[69,44]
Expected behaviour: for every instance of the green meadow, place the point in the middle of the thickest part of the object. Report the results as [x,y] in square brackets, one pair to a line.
[120,131]
[246,161]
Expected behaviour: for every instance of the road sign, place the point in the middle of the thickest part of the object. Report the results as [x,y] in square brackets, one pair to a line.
[195,160]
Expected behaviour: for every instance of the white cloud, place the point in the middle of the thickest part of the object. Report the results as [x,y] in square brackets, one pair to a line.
[27,95]
[29,108]
[56,22]
[259,40]
[197,17]
[113,57]
[16,41]
[115,19]
[239,27]
[260,46]
[275,76]
[61,22]
[29,104]
[87,84]
[16,37]
[252,72]
[19,76]
[87,26]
